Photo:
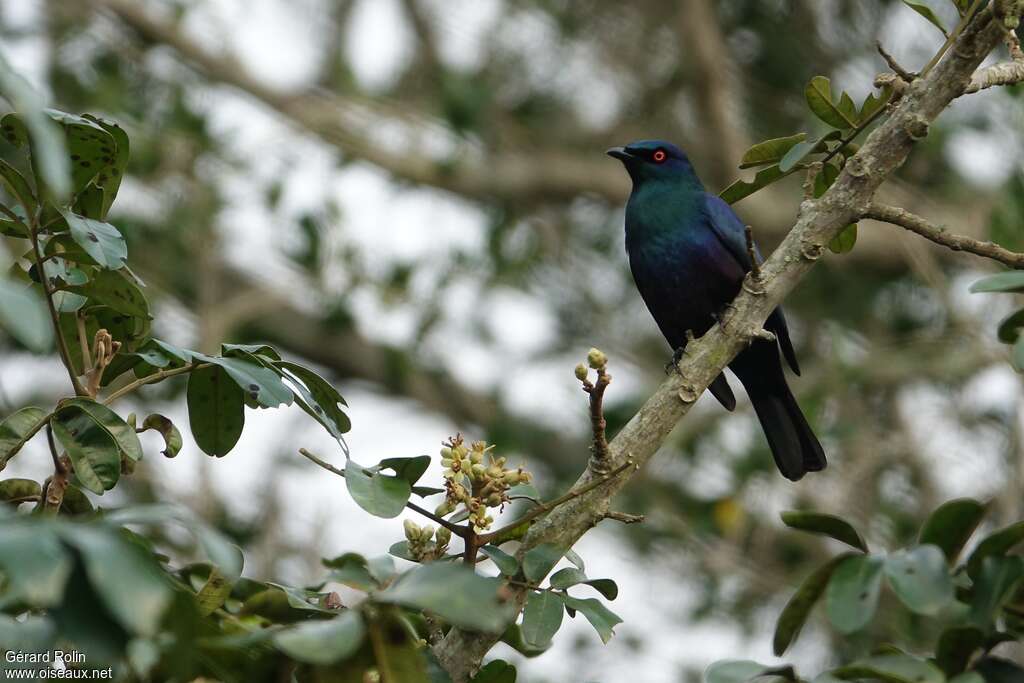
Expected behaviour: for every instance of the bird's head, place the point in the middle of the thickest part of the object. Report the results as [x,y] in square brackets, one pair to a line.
[647,160]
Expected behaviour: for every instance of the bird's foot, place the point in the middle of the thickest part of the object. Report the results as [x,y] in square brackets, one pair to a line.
[673,362]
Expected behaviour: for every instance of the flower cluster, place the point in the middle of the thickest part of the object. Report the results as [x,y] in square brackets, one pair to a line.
[476,479]
[426,544]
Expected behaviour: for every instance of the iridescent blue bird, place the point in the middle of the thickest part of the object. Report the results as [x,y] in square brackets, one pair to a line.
[688,253]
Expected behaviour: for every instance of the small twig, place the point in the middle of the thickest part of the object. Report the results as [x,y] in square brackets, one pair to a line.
[907,76]
[755,267]
[624,517]
[150,379]
[58,466]
[454,528]
[951,38]
[83,342]
[544,508]
[62,345]
[917,224]
[599,449]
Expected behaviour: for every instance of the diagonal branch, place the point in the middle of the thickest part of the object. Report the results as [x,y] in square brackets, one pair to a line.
[938,234]
[461,652]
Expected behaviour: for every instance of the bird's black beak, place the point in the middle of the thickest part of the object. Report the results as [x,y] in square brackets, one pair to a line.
[619,153]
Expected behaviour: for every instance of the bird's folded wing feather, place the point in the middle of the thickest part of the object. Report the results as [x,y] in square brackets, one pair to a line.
[732,233]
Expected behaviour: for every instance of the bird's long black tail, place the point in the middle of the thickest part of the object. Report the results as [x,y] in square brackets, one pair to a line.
[793,444]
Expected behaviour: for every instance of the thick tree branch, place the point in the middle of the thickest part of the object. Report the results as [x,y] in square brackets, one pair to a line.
[939,235]
[461,652]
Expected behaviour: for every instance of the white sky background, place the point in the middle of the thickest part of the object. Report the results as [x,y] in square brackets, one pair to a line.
[393,224]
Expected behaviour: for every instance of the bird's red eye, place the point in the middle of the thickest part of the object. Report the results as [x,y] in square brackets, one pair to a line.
[659,156]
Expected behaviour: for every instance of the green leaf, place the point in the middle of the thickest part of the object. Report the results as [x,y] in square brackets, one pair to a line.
[844,241]
[894,668]
[1009,281]
[852,593]
[379,494]
[397,654]
[19,187]
[15,427]
[410,469]
[172,437]
[956,646]
[114,289]
[216,410]
[513,637]
[31,634]
[351,570]
[127,579]
[742,188]
[213,593]
[260,384]
[997,543]
[819,99]
[323,642]
[829,525]
[920,579]
[542,618]
[872,103]
[796,155]
[571,576]
[124,435]
[969,677]
[109,179]
[49,156]
[93,451]
[75,501]
[319,399]
[540,560]
[770,151]
[401,551]
[505,563]
[101,241]
[455,593]
[19,489]
[998,670]
[734,671]
[926,12]
[90,147]
[998,578]
[600,617]
[224,554]
[35,564]
[794,614]
[23,314]
[825,179]
[1009,328]
[495,671]
[951,525]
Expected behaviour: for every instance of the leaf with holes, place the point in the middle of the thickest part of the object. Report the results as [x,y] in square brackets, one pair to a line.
[101,241]
[379,494]
[14,428]
[920,579]
[851,597]
[93,451]
[113,289]
[216,410]
[108,180]
[91,148]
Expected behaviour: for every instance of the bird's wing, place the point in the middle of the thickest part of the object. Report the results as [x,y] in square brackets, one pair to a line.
[732,234]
